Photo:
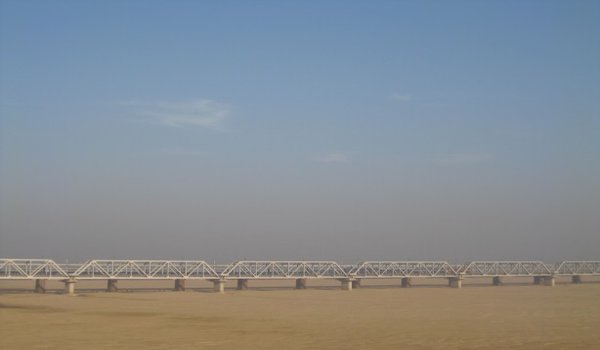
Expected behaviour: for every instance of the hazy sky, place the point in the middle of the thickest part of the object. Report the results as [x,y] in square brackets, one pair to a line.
[347,130]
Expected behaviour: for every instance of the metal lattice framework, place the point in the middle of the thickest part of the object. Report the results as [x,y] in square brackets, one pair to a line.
[578,268]
[506,268]
[398,269]
[145,269]
[181,269]
[31,269]
[284,270]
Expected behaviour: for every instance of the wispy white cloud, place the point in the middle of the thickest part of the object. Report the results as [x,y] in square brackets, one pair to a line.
[396,96]
[462,158]
[334,157]
[201,113]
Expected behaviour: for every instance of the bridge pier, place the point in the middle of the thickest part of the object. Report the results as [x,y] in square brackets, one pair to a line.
[180,285]
[40,286]
[242,284]
[301,283]
[112,286]
[355,283]
[576,279]
[538,279]
[455,282]
[405,282]
[549,281]
[219,285]
[347,284]
[496,281]
[70,286]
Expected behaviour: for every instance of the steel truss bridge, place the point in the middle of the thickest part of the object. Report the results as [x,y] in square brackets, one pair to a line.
[179,271]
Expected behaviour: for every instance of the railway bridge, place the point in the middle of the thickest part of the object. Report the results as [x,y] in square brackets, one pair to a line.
[349,276]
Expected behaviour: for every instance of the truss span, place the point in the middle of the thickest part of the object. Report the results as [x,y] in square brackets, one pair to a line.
[145,269]
[589,268]
[28,269]
[284,270]
[505,268]
[188,269]
[400,269]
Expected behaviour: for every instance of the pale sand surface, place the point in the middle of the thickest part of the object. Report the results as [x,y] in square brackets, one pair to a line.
[274,316]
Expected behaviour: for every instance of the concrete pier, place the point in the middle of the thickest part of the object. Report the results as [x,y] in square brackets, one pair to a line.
[405,282]
[549,281]
[70,286]
[455,282]
[496,281]
[112,286]
[301,283]
[219,285]
[576,279]
[242,284]
[355,283]
[40,286]
[180,285]
[347,284]
[538,279]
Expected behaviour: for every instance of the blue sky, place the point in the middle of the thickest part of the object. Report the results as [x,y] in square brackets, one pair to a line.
[309,129]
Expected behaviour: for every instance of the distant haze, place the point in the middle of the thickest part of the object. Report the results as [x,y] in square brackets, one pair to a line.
[343,130]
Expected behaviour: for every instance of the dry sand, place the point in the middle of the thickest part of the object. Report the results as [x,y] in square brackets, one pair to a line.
[475,317]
